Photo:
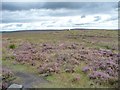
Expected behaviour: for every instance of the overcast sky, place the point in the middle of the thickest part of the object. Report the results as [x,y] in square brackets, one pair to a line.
[59,15]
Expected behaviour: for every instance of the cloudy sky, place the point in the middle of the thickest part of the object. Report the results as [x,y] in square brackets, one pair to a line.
[59,15]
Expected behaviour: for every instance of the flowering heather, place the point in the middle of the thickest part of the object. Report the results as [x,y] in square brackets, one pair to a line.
[86,69]
[72,46]
[7,76]
[6,73]
[47,48]
[65,57]
[49,68]
[4,85]
[99,75]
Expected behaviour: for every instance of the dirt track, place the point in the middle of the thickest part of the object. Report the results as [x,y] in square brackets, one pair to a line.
[28,79]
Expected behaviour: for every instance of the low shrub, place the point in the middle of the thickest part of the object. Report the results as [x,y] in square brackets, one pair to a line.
[12,46]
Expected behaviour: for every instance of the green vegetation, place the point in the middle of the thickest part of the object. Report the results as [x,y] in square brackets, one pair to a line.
[12,46]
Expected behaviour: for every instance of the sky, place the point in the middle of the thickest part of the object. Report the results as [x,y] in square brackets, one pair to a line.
[58,15]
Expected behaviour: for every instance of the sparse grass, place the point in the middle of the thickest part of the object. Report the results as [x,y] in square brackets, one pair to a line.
[64,80]
[18,67]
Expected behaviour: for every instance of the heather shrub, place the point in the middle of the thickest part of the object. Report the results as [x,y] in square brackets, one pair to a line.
[4,85]
[86,69]
[7,77]
[101,65]
[49,68]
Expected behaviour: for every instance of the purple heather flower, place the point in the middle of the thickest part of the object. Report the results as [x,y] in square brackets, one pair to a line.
[100,75]
[86,69]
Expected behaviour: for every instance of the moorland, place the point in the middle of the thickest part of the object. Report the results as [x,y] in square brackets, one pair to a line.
[60,59]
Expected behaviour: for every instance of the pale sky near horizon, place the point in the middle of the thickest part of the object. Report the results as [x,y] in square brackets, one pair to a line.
[58,15]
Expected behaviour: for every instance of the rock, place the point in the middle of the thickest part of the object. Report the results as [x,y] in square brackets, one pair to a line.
[15,86]
[46,74]
[69,70]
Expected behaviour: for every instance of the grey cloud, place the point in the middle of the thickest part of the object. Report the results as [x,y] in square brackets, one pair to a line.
[83,16]
[82,24]
[18,25]
[111,19]
[13,20]
[38,5]
[7,26]
[67,5]
[13,6]
[97,18]
[85,6]
[45,12]
[68,8]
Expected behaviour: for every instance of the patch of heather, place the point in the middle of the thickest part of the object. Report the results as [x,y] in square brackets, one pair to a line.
[7,77]
[64,46]
[49,68]
[6,73]
[26,53]
[86,69]
[47,48]
[99,75]
[63,57]
[104,67]
[101,64]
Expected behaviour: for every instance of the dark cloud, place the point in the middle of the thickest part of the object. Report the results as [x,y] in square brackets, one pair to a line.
[39,5]
[85,6]
[66,5]
[12,6]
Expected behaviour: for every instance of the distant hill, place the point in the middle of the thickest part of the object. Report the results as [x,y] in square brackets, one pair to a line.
[51,30]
